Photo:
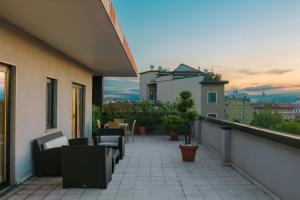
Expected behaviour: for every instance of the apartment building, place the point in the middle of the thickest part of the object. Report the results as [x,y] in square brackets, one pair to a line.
[287,110]
[165,86]
[238,108]
[53,55]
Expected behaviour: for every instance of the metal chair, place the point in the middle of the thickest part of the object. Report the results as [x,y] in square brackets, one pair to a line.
[130,132]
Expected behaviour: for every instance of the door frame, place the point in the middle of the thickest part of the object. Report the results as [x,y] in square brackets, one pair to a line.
[7,124]
[83,109]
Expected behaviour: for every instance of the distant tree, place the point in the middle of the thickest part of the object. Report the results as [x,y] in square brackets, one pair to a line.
[267,119]
[292,127]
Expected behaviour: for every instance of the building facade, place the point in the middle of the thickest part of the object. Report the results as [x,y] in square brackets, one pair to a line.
[286,110]
[53,55]
[165,86]
[238,108]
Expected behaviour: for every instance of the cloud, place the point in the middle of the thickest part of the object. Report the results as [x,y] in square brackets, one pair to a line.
[271,71]
[261,88]
[248,72]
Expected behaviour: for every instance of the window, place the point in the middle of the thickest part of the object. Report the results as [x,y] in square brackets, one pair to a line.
[213,115]
[212,98]
[51,98]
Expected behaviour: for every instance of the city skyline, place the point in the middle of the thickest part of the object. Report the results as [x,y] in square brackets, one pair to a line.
[253,44]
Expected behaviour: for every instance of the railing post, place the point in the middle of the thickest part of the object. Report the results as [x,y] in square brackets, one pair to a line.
[226,145]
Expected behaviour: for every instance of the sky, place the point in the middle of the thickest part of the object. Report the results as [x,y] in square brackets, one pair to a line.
[253,43]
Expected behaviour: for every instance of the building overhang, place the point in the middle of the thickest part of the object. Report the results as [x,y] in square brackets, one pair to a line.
[86,31]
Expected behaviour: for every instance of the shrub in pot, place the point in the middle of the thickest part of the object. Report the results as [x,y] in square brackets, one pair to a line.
[186,108]
[173,124]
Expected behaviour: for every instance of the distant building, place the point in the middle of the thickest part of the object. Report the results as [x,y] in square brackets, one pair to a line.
[238,108]
[287,110]
[165,86]
[297,108]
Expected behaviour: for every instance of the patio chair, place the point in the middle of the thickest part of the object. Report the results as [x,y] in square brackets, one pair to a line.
[130,132]
[86,166]
[113,138]
[47,160]
[98,123]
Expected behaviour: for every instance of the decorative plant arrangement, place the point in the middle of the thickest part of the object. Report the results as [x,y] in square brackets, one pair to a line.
[173,124]
[186,109]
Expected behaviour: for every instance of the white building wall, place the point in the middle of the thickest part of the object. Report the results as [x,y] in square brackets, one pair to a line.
[168,91]
[145,79]
[34,62]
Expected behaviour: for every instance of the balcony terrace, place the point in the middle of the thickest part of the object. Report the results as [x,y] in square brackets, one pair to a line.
[152,169]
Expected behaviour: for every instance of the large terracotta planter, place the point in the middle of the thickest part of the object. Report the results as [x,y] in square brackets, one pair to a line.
[188,152]
[173,135]
[142,130]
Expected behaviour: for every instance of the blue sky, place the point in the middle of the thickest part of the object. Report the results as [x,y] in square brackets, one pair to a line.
[253,43]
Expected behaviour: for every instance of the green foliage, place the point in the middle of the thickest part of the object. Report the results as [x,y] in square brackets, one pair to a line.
[96,114]
[185,106]
[267,119]
[172,122]
[211,76]
[292,127]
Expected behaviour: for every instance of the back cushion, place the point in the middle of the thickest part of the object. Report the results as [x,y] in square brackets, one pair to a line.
[111,138]
[57,142]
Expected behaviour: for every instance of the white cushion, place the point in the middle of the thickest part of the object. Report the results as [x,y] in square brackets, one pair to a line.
[109,138]
[57,142]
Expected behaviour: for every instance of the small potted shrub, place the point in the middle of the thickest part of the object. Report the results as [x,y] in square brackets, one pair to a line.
[173,124]
[186,108]
[142,119]
[142,122]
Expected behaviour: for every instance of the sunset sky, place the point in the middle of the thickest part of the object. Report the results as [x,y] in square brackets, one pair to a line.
[254,43]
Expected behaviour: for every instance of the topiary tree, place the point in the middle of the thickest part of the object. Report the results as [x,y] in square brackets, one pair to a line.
[186,108]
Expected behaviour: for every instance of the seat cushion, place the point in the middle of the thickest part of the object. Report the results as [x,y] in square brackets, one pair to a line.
[110,144]
[57,142]
[110,138]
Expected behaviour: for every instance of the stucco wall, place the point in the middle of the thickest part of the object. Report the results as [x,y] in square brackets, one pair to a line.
[145,79]
[218,108]
[168,91]
[273,165]
[34,62]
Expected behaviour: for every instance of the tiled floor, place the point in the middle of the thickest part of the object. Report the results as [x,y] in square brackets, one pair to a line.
[152,169]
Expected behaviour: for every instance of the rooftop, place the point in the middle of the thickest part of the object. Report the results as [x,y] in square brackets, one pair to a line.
[152,169]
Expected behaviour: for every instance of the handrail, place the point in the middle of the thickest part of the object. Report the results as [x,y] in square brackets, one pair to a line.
[276,136]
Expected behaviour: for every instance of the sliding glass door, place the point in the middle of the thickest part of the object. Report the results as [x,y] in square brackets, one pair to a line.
[77,110]
[4,137]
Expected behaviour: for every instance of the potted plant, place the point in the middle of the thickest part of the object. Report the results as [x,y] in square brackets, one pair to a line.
[173,124]
[142,122]
[142,116]
[186,108]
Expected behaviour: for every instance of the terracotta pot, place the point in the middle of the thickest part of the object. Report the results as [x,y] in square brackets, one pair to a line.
[142,130]
[174,135]
[188,152]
